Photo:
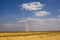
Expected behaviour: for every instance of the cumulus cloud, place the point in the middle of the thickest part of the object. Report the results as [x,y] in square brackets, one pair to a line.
[41,13]
[32,6]
[35,6]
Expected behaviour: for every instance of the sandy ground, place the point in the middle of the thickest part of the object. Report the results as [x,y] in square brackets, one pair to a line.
[31,36]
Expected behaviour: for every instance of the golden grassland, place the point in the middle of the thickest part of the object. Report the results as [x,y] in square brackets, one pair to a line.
[30,35]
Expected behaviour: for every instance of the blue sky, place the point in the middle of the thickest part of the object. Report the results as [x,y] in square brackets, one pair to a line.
[39,15]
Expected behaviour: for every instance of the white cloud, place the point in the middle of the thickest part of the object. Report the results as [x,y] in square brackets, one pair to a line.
[32,6]
[11,25]
[39,20]
[36,20]
[58,16]
[37,24]
[41,13]
[19,21]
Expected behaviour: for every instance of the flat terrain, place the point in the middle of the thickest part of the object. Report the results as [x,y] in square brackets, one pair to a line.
[30,35]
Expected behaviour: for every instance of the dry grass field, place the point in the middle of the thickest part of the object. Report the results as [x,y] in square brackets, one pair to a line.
[29,35]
